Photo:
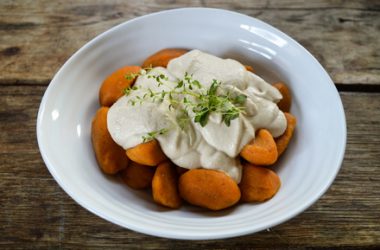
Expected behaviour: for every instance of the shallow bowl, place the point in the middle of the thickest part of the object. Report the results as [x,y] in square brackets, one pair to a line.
[307,169]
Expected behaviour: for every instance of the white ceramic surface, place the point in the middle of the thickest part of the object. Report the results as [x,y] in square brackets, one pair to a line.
[307,169]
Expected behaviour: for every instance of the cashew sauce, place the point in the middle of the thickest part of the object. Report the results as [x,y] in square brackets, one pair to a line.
[214,146]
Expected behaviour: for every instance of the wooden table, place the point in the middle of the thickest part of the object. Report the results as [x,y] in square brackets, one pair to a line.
[37,37]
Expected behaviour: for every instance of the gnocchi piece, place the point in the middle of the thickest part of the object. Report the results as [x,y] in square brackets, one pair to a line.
[148,153]
[162,57]
[165,187]
[249,68]
[283,140]
[286,101]
[262,150]
[258,183]
[113,86]
[208,188]
[110,156]
[137,176]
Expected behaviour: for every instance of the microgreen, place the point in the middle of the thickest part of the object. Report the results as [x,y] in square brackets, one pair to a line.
[144,71]
[229,107]
[128,90]
[188,94]
[159,78]
[131,76]
[153,134]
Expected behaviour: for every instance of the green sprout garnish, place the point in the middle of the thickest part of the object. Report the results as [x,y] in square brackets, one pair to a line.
[152,135]
[128,90]
[144,71]
[194,97]
[131,76]
[229,107]
[159,78]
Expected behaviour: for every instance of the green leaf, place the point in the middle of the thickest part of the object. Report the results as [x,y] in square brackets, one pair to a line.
[213,88]
[153,134]
[179,84]
[240,99]
[204,119]
[197,83]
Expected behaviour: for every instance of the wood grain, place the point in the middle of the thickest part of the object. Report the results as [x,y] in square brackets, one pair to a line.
[36,212]
[37,37]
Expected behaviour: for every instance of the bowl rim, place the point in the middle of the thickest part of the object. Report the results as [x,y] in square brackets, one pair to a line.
[162,232]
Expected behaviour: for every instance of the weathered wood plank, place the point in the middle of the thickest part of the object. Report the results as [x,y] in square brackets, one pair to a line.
[36,211]
[36,38]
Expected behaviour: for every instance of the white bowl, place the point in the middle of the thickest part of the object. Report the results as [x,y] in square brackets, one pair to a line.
[306,170]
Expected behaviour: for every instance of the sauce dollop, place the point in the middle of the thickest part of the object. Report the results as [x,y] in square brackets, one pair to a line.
[213,146]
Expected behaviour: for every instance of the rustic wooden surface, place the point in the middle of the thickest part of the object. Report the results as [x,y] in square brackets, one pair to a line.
[37,37]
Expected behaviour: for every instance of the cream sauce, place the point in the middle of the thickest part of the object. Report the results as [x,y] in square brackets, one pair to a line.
[214,146]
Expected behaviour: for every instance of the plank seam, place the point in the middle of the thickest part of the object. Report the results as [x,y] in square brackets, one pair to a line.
[351,87]
[358,87]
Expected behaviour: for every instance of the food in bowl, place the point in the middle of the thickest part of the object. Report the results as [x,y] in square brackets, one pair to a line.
[193,127]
